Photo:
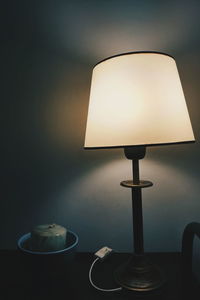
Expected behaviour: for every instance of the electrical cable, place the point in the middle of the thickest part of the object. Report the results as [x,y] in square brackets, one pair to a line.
[94,285]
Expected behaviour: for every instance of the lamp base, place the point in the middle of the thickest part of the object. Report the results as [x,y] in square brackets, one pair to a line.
[139,274]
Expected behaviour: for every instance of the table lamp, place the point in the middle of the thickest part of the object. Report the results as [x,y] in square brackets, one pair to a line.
[136,100]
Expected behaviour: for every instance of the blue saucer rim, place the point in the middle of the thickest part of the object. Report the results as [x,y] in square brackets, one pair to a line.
[27,236]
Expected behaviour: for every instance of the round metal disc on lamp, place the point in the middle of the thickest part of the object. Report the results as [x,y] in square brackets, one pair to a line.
[136,100]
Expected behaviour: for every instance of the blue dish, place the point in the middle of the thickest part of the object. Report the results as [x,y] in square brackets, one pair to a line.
[71,244]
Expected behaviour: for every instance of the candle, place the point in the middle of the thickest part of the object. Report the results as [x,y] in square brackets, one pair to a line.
[48,237]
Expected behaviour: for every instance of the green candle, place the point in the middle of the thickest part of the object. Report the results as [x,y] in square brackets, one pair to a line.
[48,237]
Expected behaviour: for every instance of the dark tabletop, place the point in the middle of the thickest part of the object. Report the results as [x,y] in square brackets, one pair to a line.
[27,278]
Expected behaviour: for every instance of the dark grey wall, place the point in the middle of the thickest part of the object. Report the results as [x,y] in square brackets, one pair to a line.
[47,52]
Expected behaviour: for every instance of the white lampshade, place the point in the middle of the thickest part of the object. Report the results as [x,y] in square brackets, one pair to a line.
[137,99]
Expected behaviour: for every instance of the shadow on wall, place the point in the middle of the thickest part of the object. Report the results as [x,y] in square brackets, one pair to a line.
[44,94]
[45,98]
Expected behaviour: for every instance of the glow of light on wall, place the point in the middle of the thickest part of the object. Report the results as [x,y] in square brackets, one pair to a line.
[96,205]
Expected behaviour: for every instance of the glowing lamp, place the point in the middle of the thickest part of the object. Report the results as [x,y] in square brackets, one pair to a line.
[137,100]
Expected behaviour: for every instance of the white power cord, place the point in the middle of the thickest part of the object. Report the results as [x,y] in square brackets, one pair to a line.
[101,254]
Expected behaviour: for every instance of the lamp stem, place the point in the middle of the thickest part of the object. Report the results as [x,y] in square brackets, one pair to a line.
[138,273]
[135,168]
[137,211]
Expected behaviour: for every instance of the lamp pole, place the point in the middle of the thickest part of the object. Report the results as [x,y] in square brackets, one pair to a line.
[135,154]
[138,273]
[137,211]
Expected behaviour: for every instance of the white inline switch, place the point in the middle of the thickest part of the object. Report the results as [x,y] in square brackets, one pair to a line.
[103,252]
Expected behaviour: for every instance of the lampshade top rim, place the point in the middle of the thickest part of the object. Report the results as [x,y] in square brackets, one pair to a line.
[134,52]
